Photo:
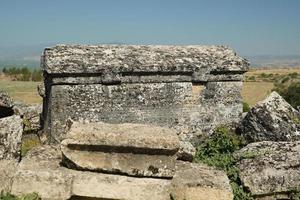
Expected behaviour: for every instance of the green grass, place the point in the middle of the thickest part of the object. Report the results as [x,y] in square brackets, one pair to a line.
[25,91]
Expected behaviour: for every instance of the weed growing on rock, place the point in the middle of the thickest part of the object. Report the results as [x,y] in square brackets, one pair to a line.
[246,107]
[7,196]
[218,151]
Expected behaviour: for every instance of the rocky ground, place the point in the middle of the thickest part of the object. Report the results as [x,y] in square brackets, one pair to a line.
[268,165]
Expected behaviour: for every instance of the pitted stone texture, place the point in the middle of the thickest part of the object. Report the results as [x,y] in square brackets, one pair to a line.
[143,138]
[175,105]
[200,182]
[31,116]
[114,187]
[132,149]
[11,129]
[270,168]
[8,169]
[6,104]
[40,172]
[273,119]
[65,59]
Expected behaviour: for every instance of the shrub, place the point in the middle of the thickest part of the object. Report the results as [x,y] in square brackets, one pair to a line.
[291,94]
[218,151]
[246,107]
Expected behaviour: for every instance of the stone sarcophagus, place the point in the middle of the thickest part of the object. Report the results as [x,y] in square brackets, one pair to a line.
[191,89]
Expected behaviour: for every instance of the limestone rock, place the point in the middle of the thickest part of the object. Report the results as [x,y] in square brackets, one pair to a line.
[11,129]
[200,182]
[270,168]
[273,119]
[6,104]
[190,88]
[40,171]
[133,149]
[114,187]
[41,89]
[140,58]
[8,169]
[31,116]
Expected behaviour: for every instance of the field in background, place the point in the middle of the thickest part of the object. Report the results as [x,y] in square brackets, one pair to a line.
[260,82]
[253,91]
[25,91]
[256,91]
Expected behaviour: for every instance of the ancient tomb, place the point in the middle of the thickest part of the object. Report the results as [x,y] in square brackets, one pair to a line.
[191,89]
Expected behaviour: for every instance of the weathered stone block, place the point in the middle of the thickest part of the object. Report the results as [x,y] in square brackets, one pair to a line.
[132,149]
[200,182]
[11,129]
[269,169]
[8,169]
[155,85]
[6,105]
[272,119]
[40,172]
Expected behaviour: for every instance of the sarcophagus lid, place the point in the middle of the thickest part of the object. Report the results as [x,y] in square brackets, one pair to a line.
[123,63]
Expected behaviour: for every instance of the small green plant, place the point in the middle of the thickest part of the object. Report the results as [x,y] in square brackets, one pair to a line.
[8,196]
[218,151]
[246,107]
[28,143]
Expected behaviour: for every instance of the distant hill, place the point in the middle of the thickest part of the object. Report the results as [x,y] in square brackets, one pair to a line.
[270,61]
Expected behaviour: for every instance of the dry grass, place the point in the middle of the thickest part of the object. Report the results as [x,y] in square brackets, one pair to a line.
[254,72]
[256,91]
[25,91]
[252,91]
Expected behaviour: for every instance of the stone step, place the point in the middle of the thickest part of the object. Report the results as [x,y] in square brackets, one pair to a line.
[40,171]
[131,149]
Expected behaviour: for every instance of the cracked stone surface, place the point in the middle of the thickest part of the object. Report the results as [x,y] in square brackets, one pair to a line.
[132,149]
[270,168]
[11,129]
[272,119]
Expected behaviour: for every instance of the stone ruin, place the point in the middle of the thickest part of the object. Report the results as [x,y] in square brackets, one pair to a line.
[191,89]
[119,118]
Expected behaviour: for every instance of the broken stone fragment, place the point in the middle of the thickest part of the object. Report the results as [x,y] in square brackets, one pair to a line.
[132,149]
[41,89]
[6,105]
[272,119]
[200,182]
[270,169]
[8,168]
[40,171]
[11,129]
[31,116]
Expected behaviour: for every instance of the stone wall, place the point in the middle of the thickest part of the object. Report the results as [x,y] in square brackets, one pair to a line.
[191,89]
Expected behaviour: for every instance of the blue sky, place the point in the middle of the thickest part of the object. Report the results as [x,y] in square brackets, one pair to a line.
[252,27]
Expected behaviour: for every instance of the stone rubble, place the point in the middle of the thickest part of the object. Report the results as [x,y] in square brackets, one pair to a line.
[11,129]
[40,171]
[6,105]
[269,169]
[272,119]
[118,118]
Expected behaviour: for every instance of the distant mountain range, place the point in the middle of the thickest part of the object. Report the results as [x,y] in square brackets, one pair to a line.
[29,56]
